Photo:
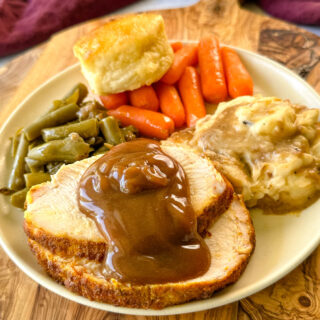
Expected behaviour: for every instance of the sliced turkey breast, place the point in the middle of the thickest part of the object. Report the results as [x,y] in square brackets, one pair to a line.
[231,244]
[53,219]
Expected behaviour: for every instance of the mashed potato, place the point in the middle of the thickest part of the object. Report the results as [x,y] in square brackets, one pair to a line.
[268,148]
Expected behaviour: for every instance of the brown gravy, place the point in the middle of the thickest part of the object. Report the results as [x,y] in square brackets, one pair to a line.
[139,198]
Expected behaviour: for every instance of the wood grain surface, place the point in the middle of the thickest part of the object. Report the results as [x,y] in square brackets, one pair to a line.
[297,296]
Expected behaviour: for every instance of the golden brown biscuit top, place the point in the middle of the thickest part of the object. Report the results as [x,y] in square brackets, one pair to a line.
[117,33]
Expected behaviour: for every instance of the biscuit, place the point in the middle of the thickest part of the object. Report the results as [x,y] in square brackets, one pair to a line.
[125,54]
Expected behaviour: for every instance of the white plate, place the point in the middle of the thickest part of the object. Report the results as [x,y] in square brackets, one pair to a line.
[283,242]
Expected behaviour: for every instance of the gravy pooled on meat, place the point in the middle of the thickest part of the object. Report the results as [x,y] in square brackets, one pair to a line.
[267,147]
[139,198]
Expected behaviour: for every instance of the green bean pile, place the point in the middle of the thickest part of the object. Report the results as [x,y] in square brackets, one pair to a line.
[74,128]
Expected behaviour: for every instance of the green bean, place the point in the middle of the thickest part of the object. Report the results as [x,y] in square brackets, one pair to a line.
[86,129]
[75,96]
[35,143]
[111,131]
[56,104]
[18,198]
[34,165]
[68,150]
[15,143]
[34,178]
[103,149]
[53,167]
[16,180]
[54,118]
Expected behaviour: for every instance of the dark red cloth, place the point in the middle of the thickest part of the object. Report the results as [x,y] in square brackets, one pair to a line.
[24,23]
[297,11]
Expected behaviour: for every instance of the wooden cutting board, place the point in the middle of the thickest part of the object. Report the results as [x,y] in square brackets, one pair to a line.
[297,296]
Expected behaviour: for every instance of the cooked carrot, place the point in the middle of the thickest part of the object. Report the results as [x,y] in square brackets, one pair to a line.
[176,46]
[112,101]
[189,87]
[145,98]
[186,56]
[170,103]
[213,83]
[149,123]
[238,79]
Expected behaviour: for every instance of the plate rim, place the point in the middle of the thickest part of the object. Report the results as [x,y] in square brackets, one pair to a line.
[193,306]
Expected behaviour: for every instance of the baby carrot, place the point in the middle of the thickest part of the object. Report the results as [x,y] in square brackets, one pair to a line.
[239,80]
[176,46]
[145,98]
[170,103]
[149,123]
[112,101]
[213,83]
[186,56]
[189,87]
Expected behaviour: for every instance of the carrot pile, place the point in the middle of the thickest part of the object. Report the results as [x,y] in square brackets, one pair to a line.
[199,73]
